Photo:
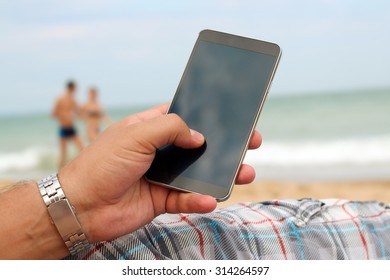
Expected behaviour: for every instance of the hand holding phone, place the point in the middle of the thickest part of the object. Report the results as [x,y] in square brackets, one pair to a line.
[220,94]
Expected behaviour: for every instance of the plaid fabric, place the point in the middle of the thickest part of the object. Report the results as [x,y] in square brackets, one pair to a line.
[284,229]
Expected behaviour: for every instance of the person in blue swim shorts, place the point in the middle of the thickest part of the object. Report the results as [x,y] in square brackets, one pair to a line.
[65,110]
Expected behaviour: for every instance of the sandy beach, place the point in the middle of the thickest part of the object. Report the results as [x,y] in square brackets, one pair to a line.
[269,190]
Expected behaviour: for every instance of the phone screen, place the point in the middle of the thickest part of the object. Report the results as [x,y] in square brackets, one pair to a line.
[220,95]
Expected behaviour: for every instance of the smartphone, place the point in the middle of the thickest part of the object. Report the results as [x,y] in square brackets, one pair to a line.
[220,94]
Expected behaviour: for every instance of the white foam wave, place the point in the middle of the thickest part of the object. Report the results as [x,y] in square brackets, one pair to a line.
[28,159]
[359,153]
[348,151]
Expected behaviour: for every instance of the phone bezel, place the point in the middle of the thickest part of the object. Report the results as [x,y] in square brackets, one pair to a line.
[196,186]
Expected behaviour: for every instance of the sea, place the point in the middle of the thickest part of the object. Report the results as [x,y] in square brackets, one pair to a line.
[326,136]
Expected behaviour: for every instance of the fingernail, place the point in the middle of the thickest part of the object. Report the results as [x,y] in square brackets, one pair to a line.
[197,136]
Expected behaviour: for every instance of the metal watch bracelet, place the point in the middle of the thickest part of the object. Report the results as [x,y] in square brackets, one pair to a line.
[62,214]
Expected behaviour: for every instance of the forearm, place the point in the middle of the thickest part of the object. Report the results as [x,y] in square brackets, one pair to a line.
[26,230]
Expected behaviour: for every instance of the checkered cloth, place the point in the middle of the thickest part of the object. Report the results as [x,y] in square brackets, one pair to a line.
[280,229]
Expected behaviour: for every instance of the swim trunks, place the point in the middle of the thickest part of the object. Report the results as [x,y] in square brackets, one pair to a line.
[67,132]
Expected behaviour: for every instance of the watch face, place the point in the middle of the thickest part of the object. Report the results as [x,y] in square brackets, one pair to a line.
[64,218]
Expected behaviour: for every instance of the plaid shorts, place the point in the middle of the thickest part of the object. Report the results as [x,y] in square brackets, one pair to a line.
[280,229]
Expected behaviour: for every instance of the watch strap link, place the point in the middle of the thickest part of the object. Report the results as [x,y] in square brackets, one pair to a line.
[62,214]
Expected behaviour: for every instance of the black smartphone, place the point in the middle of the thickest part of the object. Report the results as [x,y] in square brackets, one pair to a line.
[220,94]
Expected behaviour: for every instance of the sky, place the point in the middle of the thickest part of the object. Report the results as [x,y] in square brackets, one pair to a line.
[134,52]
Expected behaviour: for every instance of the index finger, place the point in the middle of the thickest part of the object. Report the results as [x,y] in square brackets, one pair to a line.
[255,141]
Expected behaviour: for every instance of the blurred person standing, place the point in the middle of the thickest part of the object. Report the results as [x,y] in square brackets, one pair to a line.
[93,115]
[65,110]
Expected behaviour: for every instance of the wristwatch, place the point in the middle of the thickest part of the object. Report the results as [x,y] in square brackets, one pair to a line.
[62,214]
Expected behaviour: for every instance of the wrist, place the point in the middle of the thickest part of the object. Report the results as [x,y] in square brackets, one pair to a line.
[62,214]
[72,186]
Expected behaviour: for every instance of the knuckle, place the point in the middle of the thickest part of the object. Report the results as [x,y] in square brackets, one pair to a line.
[176,120]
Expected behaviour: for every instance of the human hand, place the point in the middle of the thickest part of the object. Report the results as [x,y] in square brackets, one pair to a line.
[106,183]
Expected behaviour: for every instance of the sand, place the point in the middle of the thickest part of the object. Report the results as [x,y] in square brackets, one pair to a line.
[268,190]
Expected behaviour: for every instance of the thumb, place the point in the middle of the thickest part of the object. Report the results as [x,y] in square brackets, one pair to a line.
[167,129]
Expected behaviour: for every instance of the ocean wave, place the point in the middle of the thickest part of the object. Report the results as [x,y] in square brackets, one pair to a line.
[365,151]
[33,158]
[360,153]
